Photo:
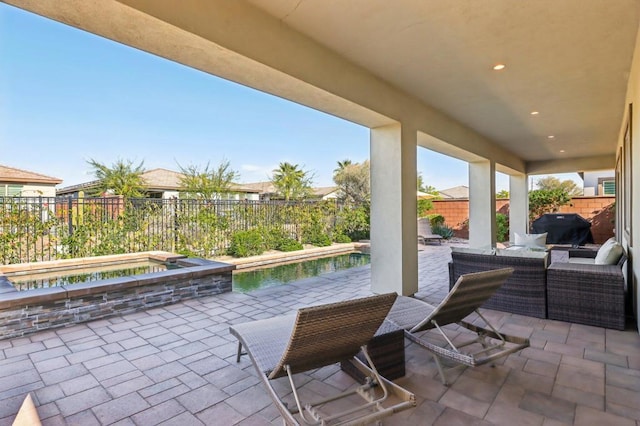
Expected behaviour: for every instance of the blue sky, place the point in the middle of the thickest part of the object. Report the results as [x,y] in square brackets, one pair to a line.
[68,96]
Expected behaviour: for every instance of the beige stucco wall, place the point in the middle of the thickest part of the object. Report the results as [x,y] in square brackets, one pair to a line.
[633,97]
[36,190]
[32,190]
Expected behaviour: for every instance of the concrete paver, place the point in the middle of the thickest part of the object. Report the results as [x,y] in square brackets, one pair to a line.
[176,365]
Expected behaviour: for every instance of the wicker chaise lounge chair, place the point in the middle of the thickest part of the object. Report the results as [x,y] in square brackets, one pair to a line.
[425,233]
[320,336]
[466,296]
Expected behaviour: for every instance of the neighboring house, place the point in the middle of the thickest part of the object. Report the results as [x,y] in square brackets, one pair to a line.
[164,183]
[599,182]
[161,183]
[457,192]
[326,192]
[23,183]
[267,191]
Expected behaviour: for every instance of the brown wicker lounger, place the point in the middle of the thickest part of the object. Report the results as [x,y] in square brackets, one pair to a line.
[320,336]
[425,233]
[466,296]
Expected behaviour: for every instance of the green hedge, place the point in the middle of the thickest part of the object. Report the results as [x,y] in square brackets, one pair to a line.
[247,243]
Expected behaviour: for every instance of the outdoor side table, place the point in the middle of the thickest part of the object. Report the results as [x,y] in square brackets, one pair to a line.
[387,352]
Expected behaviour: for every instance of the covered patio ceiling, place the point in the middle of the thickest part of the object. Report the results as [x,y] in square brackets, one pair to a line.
[568,60]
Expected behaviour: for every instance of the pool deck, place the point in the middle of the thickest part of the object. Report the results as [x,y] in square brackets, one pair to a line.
[175,365]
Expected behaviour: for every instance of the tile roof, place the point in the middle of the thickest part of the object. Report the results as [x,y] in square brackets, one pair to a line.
[162,179]
[263,187]
[322,191]
[455,192]
[156,179]
[11,174]
[169,180]
[268,188]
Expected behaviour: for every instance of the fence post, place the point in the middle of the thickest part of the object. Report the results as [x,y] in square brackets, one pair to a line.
[175,224]
[70,215]
[80,208]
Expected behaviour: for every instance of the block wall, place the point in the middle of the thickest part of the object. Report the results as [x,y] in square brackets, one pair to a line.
[598,210]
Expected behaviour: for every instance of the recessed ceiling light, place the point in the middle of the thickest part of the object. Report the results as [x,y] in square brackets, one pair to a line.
[562,150]
[550,137]
[534,113]
[499,67]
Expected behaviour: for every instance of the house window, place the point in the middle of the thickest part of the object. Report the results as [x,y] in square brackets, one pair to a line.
[609,187]
[11,190]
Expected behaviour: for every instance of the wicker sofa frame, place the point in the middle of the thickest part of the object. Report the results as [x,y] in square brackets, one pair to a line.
[586,293]
[524,293]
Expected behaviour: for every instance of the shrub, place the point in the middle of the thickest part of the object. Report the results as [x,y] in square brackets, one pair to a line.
[289,244]
[273,237]
[320,240]
[423,207]
[247,243]
[354,222]
[443,230]
[435,220]
[502,227]
[315,230]
[341,238]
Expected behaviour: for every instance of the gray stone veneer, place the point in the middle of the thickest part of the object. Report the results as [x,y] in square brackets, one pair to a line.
[24,312]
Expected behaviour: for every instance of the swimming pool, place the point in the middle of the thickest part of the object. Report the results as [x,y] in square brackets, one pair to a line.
[249,280]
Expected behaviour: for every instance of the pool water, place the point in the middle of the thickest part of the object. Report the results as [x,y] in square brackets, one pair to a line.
[87,274]
[245,281]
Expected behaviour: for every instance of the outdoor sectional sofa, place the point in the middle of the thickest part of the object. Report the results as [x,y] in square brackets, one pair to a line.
[574,291]
[587,293]
[525,292]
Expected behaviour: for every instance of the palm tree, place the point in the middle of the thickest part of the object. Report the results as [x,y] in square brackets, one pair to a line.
[122,178]
[291,182]
[342,165]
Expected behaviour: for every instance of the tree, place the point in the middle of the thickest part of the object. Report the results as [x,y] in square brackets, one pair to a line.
[206,183]
[342,165]
[291,182]
[122,178]
[424,205]
[422,187]
[503,193]
[543,201]
[354,182]
[552,182]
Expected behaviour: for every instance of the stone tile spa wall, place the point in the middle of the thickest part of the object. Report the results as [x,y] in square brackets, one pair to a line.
[24,312]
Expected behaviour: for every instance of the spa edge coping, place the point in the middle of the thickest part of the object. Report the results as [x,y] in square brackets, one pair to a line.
[52,265]
[278,257]
[193,268]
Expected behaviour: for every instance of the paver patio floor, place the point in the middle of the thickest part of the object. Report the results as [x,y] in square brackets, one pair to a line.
[176,365]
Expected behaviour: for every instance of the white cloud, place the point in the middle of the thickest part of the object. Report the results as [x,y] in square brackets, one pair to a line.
[255,173]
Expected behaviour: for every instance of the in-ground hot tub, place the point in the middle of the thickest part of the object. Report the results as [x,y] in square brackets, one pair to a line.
[23,312]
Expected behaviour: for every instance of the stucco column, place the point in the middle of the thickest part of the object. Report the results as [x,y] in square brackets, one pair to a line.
[482,204]
[394,256]
[518,205]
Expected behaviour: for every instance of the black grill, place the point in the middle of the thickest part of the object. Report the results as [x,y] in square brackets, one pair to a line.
[567,228]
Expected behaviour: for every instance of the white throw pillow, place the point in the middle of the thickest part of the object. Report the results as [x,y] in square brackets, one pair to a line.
[531,240]
[609,253]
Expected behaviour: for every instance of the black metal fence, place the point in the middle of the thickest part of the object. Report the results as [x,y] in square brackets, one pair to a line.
[48,228]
